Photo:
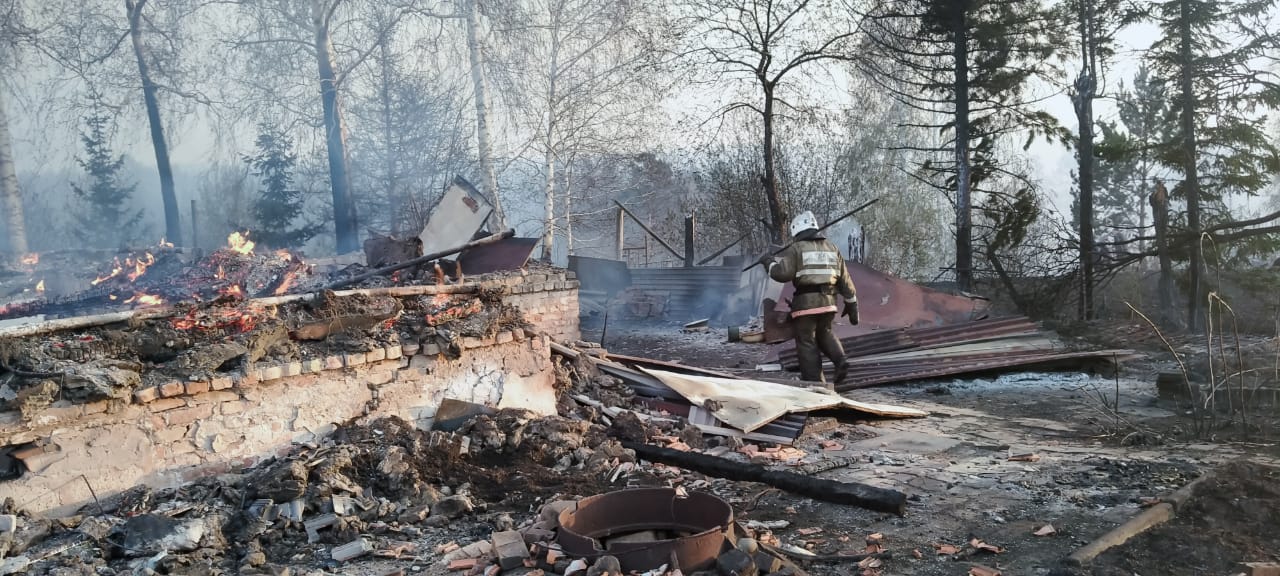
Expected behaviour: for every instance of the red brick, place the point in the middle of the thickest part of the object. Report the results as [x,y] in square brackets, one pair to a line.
[333,363]
[394,352]
[375,355]
[188,415]
[355,359]
[229,408]
[379,377]
[220,383]
[172,388]
[312,365]
[505,337]
[293,369]
[198,387]
[146,395]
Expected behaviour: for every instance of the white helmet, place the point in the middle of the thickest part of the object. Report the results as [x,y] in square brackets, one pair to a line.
[803,221]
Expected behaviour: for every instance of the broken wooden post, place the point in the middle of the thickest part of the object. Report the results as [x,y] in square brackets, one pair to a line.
[688,241]
[622,237]
[195,230]
[853,494]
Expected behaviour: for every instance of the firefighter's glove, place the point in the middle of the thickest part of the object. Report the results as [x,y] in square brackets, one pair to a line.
[766,260]
[851,311]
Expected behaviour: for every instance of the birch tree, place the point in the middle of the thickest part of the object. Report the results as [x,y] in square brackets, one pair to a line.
[587,87]
[470,10]
[768,46]
[411,103]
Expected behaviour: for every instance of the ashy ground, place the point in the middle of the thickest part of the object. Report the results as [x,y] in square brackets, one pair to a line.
[1035,465]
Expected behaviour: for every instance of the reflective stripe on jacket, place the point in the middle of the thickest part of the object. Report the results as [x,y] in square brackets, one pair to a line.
[813,263]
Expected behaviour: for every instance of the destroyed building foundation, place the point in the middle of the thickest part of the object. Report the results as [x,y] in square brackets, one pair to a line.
[68,453]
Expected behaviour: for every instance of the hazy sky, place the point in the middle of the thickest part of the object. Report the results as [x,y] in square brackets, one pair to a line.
[41,146]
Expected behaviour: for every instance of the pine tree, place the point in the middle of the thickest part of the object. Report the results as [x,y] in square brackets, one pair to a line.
[1207,58]
[103,217]
[280,203]
[971,61]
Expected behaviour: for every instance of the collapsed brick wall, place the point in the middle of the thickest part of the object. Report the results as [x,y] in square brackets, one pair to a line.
[173,433]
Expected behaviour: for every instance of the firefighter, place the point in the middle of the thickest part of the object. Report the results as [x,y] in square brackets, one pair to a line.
[813,264]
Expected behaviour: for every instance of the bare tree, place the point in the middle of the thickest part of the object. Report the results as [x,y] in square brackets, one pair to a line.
[766,44]
[286,32]
[11,30]
[584,69]
[413,132]
[470,10]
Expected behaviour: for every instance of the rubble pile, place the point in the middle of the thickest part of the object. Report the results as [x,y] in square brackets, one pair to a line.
[383,489]
[204,341]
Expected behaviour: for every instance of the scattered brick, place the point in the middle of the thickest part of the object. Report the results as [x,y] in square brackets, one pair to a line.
[220,383]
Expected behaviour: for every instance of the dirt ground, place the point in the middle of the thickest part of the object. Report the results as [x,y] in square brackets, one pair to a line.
[1092,469]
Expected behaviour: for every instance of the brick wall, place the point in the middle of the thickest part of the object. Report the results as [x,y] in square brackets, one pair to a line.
[169,434]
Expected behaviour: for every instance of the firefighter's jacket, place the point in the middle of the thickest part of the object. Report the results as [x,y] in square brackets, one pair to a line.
[818,272]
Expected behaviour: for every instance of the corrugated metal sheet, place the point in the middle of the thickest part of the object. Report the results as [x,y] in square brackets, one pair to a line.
[698,291]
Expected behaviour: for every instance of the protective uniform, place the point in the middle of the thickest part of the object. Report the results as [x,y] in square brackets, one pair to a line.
[813,264]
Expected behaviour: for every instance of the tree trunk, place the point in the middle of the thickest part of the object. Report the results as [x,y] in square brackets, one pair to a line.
[1084,115]
[549,205]
[1191,185]
[489,177]
[168,194]
[396,206]
[1160,217]
[15,222]
[777,215]
[346,228]
[964,226]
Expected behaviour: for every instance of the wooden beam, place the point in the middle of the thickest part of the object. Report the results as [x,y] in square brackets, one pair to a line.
[655,236]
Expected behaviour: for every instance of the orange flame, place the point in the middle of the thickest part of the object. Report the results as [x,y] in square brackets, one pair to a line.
[233,291]
[144,299]
[285,284]
[284,255]
[164,244]
[240,243]
[140,265]
[116,269]
[221,275]
[40,285]
[30,259]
